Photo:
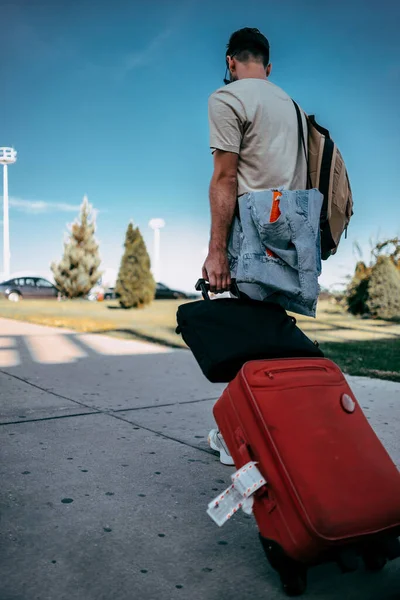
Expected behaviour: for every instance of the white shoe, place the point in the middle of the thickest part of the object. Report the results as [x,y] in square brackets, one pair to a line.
[216,442]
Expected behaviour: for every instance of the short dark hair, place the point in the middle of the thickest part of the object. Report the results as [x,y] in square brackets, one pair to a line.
[249,44]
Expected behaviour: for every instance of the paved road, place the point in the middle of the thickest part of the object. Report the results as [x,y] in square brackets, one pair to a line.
[106,476]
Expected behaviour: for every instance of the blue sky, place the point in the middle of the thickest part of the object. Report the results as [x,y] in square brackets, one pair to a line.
[110,100]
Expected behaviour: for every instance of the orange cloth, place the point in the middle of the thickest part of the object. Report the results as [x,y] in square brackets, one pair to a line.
[275,214]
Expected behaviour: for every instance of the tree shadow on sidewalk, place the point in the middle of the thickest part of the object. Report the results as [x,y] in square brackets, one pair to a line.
[133,334]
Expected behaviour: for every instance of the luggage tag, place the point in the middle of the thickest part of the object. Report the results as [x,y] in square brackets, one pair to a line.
[245,482]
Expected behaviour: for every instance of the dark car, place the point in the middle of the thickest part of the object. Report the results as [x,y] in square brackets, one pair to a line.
[110,294]
[27,287]
[165,293]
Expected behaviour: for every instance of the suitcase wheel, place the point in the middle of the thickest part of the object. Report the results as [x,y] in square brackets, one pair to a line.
[293,574]
[294,584]
[374,561]
[347,561]
[391,548]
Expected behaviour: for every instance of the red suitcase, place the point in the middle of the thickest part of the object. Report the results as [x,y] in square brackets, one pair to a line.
[332,490]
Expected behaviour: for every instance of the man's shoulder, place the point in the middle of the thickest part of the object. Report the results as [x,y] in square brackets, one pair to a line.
[219,93]
[227,96]
[243,88]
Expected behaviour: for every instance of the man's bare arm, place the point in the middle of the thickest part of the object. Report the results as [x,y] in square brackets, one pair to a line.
[223,198]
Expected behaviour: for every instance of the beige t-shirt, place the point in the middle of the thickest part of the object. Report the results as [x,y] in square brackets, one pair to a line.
[257,120]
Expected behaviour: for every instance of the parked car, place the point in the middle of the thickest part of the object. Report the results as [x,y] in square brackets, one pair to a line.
[27,287]
[110,294]
[165,293]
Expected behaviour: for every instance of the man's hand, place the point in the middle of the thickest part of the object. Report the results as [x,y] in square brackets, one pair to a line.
[216,271]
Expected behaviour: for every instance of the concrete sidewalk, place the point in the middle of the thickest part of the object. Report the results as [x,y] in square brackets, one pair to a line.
[106,476]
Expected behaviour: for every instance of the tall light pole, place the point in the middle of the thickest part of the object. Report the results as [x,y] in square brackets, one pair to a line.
[8,156]
[156,225]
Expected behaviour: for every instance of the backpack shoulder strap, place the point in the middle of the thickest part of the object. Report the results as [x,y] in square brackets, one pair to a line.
[302,141]
[319,128]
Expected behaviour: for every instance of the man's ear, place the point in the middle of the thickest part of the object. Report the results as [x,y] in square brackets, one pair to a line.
[269,69]
[231,64]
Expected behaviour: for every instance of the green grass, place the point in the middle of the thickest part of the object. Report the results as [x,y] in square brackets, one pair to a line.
[371,358]
[358,346]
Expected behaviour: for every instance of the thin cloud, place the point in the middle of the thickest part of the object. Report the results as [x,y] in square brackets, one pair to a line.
[40,207]
[34,45]
[141,57]
[146,55]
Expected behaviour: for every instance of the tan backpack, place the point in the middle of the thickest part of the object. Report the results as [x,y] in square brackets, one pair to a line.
[327,172]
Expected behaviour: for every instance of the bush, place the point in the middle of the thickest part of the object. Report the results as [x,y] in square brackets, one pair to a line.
[357,291]
[135,286]
[384,289]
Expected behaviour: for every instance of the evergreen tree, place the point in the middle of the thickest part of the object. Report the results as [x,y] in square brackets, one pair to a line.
[78,270]
[135,286]
[384,289]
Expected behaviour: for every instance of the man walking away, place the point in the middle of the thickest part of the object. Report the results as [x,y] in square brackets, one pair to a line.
[254,140]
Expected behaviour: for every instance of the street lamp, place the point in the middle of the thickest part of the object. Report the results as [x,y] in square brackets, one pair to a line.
[8,156]
[156,225]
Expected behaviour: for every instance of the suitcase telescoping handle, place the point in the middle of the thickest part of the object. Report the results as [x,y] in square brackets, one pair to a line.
[204,287]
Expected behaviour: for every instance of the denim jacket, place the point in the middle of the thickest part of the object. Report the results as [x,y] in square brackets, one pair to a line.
[290,277]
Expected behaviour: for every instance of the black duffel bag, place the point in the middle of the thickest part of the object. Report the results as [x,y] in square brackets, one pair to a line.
[224,334]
